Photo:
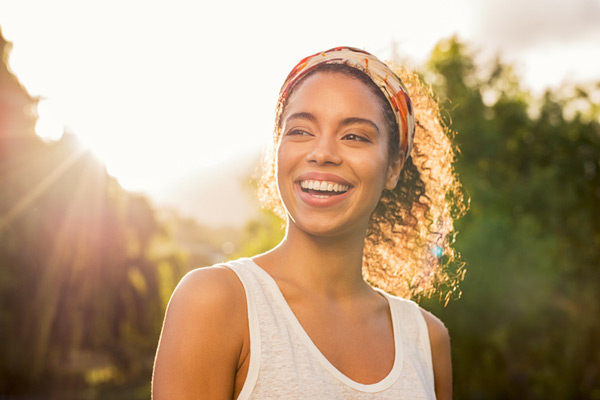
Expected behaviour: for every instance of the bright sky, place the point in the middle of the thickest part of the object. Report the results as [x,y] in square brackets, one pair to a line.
[159,90]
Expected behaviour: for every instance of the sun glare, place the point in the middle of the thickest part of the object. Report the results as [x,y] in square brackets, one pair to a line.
[49,126]
[183,101]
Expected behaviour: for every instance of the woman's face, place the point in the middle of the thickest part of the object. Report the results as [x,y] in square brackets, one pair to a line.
[332,157]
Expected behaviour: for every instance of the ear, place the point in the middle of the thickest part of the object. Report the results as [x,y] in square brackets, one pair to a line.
[393,172]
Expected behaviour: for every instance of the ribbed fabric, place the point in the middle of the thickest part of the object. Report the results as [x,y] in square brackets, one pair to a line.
[286,364]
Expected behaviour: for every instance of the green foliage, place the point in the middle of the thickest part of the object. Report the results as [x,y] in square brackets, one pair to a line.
[260,234]
[527,325]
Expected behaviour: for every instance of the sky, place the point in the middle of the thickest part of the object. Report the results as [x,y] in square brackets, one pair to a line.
[161,90]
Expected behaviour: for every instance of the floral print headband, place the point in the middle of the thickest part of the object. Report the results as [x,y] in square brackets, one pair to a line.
[388,82]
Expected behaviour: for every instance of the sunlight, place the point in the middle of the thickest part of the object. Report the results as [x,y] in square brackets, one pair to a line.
[40,188]
[184,101]
[49,126]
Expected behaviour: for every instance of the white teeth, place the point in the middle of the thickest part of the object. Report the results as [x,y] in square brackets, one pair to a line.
[324,186]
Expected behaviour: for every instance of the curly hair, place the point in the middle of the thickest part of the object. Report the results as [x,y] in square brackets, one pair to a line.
[408,245]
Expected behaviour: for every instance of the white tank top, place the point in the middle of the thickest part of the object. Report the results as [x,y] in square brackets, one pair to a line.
[286,364]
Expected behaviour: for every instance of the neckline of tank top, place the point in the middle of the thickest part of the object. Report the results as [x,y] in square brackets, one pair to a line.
[379,386]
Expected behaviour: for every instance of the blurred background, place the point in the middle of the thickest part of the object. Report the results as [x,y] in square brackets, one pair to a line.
[130,138]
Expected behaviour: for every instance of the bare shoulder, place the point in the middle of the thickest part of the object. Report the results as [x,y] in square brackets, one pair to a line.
[208,300]
[217,287]
[202,337]
[438,333]
[439,339]
[208,296]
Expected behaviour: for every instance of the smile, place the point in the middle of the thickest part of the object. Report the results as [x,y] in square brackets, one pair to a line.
[323,189]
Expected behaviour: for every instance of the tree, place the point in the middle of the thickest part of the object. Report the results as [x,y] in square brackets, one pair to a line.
[81,287]
[526,326]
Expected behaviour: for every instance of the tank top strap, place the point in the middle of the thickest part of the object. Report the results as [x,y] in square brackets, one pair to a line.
[414,329]
[243,269]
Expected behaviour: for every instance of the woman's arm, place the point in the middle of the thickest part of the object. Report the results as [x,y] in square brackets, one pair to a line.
[440,352]
[202,338]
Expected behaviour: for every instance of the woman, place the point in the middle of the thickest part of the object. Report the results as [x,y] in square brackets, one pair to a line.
[363,207]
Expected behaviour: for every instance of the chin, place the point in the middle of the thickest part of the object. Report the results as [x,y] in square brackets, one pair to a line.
[326,229]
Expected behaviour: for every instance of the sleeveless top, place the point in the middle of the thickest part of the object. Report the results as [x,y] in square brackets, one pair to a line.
[286,364]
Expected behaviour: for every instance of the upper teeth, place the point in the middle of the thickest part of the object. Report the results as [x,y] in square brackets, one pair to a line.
[324,186]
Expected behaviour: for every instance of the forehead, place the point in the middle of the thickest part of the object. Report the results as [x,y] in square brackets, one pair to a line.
[333,91]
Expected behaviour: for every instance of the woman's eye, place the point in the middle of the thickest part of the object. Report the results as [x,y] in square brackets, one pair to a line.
[355,137]
[298,132]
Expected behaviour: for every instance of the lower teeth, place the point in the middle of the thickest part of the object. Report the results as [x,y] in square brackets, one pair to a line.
[321,194]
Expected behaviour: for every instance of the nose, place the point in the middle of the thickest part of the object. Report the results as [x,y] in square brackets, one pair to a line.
[324,151]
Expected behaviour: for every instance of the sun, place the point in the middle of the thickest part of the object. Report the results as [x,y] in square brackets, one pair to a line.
[50,125]
[125,156]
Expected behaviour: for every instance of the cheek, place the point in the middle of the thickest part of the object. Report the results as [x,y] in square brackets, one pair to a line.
[375,166]
[379,175]
[280,158]
[284,159]
[287,154]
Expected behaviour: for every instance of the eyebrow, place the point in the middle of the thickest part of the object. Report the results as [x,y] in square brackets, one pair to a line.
[302,115]
[356,120]
[345,122]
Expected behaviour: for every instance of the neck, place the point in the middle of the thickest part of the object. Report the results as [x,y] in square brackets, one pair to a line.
[328,266]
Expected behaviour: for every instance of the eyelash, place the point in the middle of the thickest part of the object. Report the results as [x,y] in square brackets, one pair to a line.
[297,132]
[351,136]
[355,137]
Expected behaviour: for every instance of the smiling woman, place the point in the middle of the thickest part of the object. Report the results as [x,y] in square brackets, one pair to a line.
[333,132]
[365,184]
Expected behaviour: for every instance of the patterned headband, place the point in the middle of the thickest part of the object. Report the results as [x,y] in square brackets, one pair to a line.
[388,82]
